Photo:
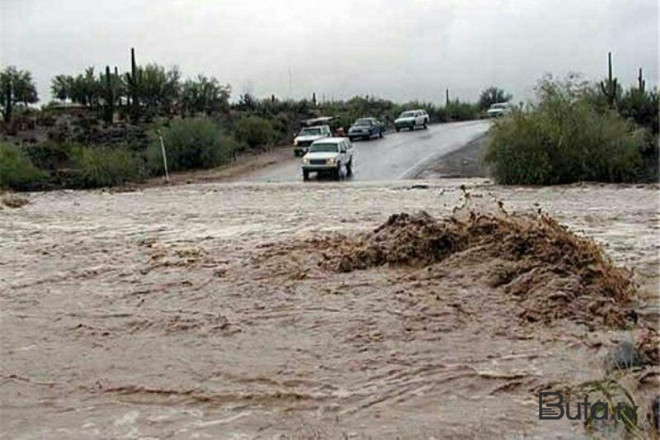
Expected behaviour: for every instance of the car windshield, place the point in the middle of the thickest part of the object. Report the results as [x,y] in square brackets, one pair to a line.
[498,106]
[363,122]
[407,115]
[310,131]
[324,148]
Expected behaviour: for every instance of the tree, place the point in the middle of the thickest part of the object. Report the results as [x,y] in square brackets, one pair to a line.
[493,95]
[159,88]
[16,87]
[205,95]
[84,89]
[61,87]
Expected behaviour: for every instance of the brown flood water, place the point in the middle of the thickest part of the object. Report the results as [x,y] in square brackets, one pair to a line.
[185,312]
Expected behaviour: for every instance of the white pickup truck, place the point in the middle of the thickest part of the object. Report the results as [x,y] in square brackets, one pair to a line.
[328,155]
[308,135]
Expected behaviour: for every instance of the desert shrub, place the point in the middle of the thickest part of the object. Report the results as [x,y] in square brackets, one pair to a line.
[642,107]
[104,166]
[50,156]
[16,169]
[461,111]
[563,139]
[190,143]
[255,131]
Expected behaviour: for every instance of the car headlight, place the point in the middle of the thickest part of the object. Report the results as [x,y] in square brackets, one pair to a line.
[305,160]
[331,161]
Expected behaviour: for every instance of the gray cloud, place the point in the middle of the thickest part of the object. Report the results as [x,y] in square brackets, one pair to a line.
[396,49]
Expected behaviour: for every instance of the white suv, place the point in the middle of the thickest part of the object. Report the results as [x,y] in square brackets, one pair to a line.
[499,109]
[328,156]
[411,119]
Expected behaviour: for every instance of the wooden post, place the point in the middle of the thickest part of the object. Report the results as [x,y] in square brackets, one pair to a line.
[162,149]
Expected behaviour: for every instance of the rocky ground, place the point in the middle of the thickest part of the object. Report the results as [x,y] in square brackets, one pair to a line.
[242,310]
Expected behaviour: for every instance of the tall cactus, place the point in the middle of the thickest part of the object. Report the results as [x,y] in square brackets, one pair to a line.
[108,90]
[641,82]
[133,81]
[8,100]
[610,88]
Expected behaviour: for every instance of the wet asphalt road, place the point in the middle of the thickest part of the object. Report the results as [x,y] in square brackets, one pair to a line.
[397,156]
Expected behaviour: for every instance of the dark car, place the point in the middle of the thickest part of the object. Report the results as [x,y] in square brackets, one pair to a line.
[366,128]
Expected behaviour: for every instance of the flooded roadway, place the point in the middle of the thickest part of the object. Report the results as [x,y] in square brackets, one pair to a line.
[396,156]
[155,314]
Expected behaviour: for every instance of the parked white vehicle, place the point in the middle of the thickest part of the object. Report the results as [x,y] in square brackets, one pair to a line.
[328,156]
[411,119]
[308,135]
[499,109]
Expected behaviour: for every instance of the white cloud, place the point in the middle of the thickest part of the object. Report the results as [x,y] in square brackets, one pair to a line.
[397,49]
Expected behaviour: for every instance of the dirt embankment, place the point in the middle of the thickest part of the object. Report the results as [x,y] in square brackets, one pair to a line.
[465,162]
[243,165]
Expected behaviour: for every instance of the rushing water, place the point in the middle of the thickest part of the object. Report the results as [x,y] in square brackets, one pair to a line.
[181,313]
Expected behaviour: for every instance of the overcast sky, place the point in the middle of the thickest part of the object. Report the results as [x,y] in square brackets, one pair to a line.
[398,49]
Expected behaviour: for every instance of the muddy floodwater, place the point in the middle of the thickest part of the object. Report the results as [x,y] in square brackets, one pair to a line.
[189,312]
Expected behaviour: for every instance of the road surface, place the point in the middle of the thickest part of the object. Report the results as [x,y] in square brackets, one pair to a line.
[396,156]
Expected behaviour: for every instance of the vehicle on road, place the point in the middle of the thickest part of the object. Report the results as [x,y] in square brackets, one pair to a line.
[328,156]
[411,119]
[499,109]
[366,128]
[307,136]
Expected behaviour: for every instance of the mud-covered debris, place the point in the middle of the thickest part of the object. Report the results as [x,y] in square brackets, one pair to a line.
[623,356]
[553,272]
[648,344]
[14,201]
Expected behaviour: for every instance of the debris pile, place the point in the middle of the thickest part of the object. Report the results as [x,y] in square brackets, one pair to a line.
[553,272]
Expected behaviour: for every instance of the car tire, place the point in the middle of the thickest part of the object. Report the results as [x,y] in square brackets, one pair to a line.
[305,175]
[425,125]
[337,173]
[349,167]
[352,139]
[380,134]
[398,129]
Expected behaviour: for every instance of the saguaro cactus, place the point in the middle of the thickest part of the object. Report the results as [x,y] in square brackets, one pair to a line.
[610,88]
[8,100]
[108,96]
[641,82]
[133,81]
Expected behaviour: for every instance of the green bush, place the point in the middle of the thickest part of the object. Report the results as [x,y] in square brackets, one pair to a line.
[642,107]
[50,156]
[189,144]
[103,166]
[563,139]
[255,131]
[17,171]
[462,111]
